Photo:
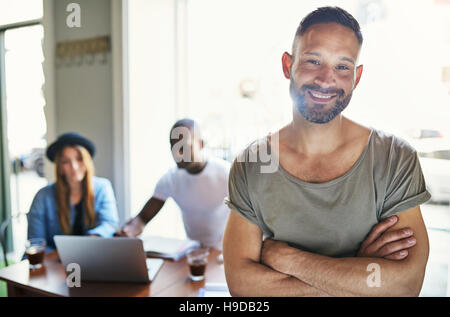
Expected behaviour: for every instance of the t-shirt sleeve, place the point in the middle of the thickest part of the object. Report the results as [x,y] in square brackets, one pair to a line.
[406,186]
[238,196]
[163,189]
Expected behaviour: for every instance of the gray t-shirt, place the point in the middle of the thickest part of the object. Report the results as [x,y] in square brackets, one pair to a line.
[331,218]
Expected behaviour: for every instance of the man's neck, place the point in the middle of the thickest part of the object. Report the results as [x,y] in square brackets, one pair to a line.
[313,139]
[197,168]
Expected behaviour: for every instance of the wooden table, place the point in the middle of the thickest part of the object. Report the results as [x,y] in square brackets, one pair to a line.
[50,280]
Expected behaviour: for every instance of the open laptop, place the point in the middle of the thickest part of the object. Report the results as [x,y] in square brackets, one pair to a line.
[108,259]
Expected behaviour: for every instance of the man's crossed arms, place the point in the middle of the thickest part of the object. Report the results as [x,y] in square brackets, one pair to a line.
[398,246]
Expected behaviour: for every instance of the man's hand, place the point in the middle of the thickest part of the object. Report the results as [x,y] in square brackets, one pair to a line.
[390,245]
[132,229]
[347,276]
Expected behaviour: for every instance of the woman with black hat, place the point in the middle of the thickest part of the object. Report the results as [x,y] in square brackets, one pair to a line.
[78,203]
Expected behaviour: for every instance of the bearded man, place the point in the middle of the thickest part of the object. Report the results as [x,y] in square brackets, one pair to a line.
[340,213]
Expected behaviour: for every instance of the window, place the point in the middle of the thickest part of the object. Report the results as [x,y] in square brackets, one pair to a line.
[21,36]
[17,11]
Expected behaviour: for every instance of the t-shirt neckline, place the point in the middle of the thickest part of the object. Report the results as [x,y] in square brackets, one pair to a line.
[347,174]
[202,172]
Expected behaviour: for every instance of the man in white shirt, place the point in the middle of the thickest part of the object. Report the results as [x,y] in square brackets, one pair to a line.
[198,184]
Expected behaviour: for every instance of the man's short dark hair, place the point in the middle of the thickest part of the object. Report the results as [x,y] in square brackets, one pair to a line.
[329,15]
[187,123]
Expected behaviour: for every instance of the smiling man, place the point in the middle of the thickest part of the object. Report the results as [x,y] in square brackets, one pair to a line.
[344,199]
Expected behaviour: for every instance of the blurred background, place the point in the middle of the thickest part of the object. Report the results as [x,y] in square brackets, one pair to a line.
[218,62]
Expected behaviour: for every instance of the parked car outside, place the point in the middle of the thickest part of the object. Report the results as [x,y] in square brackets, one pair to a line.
[33,160]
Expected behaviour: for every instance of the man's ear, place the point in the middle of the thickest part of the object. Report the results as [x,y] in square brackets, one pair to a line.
[286,60]
[359,71]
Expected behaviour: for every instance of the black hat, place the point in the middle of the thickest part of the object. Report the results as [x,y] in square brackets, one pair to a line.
[70,138]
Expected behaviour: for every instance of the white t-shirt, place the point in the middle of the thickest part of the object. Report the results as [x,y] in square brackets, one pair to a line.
[200,198]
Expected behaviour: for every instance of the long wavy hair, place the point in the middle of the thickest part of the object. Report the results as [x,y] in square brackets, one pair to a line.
[63,191]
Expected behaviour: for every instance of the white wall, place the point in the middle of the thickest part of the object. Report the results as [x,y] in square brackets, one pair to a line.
[121,119]
[81,98]
[84,93]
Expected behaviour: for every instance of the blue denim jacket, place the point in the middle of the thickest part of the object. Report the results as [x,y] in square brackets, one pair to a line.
[43,221]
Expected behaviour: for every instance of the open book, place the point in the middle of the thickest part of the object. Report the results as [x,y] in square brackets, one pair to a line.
[168,248]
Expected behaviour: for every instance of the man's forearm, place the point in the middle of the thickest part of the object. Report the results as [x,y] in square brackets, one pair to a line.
[254,279]
[151,208]
[350,276]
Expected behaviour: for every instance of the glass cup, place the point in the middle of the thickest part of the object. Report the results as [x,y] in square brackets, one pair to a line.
[35,251]
[197,260]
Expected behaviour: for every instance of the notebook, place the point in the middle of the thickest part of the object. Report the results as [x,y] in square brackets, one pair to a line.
[168,248]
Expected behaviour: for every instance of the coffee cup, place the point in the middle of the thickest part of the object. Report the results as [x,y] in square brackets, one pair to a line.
[197,260]
[35,251]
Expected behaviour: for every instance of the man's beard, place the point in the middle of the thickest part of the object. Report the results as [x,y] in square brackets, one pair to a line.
[316,114]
